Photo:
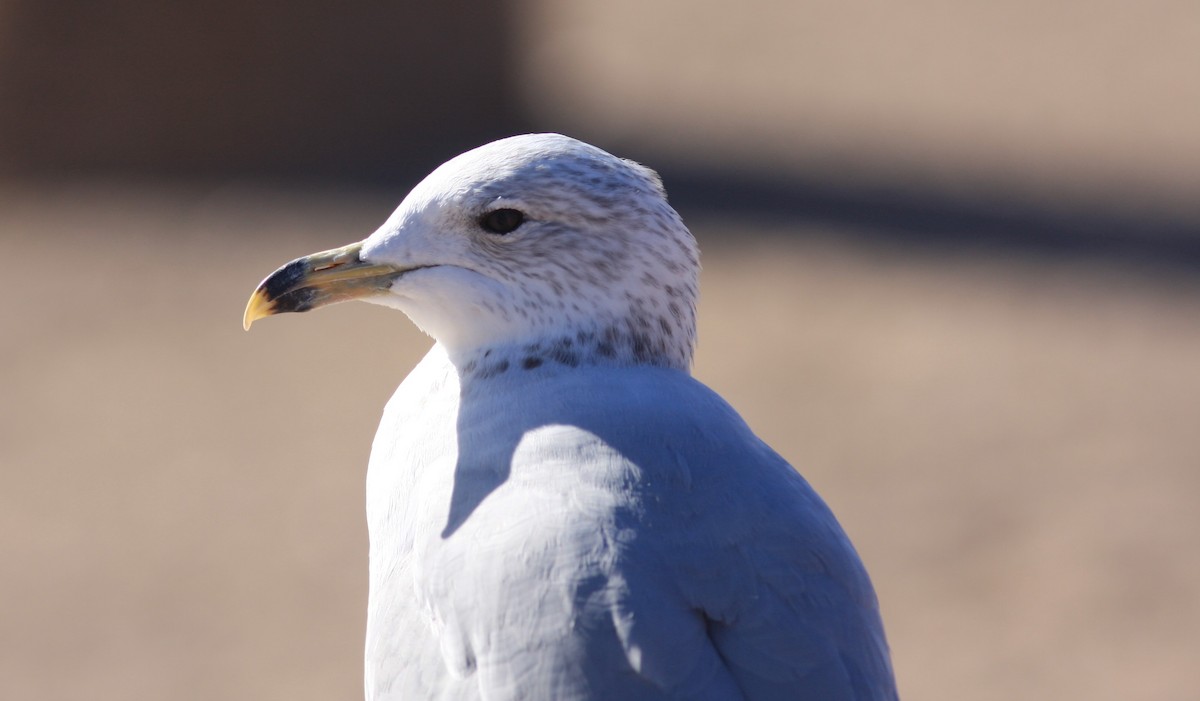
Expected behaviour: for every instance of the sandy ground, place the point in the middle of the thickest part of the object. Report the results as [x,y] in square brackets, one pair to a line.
[1012,443]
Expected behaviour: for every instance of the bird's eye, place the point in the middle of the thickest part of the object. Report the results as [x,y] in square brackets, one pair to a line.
[502,221]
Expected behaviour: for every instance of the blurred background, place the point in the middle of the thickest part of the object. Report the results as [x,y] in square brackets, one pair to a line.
[952,273]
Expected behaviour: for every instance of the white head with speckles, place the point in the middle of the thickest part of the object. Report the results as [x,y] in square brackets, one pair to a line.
[593,248]
[537,243]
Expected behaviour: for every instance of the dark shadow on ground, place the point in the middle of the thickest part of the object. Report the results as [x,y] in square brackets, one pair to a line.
[929,219]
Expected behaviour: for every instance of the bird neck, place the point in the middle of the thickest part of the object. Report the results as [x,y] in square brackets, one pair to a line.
[612,345]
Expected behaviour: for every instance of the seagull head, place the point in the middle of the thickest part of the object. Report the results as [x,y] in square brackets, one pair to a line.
[523,242]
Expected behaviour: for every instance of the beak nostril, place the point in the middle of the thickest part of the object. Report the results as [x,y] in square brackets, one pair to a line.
[327,266]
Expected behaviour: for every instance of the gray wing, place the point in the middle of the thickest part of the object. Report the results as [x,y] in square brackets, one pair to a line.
[787,603]
[730,532]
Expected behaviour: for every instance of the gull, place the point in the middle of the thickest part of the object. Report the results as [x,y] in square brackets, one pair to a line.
[557,509]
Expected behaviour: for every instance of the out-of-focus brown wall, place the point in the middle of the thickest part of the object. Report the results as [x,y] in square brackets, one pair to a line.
[1088,100]
[265,87]
[1092,102]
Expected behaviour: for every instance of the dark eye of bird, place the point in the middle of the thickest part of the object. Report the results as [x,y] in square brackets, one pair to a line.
[502,221]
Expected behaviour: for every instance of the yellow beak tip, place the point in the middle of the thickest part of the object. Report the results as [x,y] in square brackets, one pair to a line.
[258,307]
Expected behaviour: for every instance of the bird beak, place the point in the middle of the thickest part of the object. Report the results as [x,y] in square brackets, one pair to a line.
[314,281]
